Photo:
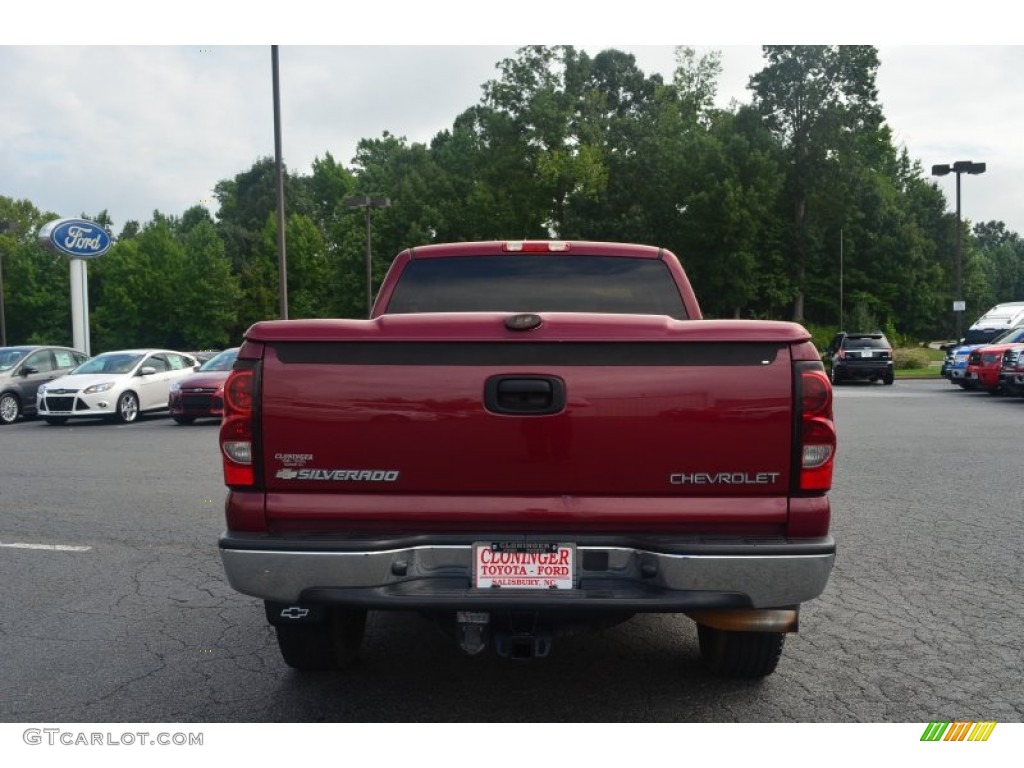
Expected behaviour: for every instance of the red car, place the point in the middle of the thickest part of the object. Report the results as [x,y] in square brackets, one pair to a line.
[985,363]
[202,394]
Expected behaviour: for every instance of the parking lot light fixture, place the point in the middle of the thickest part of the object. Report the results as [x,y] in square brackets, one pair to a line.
[959,167]
[366,202]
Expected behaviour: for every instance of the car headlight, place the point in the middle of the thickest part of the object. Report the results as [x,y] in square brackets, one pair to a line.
[95,388]
[42,389]
[175,386]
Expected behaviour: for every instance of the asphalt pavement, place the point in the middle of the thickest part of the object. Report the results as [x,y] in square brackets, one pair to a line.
[116,608]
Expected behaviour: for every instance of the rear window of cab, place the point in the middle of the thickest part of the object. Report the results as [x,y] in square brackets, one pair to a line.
[538,283]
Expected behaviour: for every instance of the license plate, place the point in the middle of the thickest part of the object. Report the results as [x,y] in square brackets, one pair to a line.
[523,565]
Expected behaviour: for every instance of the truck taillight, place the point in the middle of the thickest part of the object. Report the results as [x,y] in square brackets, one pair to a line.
[817,430]
[236,429]
[238,391]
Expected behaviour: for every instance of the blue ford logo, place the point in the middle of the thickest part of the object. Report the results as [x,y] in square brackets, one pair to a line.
[77,238]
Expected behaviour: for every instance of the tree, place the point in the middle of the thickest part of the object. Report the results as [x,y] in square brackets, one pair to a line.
[996,266]
[119,285]
[36,283]
[129,230]
[245,203]
[169,286]
[812,97]
[206,299]
[312,286]
[486,185]
[728,229]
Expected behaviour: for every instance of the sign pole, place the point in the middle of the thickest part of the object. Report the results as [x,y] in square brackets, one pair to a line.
[80,305]
[78,239]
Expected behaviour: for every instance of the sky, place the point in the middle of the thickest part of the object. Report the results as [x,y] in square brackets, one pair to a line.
[145,117]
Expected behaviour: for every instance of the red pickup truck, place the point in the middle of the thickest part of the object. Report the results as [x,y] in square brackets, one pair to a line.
[524,436]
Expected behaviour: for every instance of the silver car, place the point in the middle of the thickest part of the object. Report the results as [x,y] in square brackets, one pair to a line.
[23,369]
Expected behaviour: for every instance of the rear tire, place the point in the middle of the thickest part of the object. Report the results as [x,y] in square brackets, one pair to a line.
[330,645]
[740,654]
[888,379]
[10,408]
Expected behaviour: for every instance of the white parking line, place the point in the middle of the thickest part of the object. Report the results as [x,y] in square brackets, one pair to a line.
[52,547]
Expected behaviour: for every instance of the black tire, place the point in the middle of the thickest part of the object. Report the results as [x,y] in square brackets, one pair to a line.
[184,419]
[127,408]
[888,379]
[330,645]
[10,408]
[834,377]
[55,421]
[740,654]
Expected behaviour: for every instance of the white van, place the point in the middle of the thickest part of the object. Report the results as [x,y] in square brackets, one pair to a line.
[1000,318]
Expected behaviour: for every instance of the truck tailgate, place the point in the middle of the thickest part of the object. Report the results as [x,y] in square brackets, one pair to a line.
[602,418]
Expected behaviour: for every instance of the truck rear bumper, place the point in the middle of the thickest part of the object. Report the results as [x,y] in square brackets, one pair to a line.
[435,573]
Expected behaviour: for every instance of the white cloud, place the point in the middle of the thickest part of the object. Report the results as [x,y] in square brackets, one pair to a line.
[137,128]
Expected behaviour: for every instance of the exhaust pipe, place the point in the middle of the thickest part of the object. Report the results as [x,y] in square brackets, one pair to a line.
[755,620]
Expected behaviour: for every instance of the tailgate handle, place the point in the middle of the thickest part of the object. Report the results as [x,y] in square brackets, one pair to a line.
[524,395]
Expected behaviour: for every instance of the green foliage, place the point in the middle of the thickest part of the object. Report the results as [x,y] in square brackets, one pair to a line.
[165,287]
[910,358]
[821,335]
[862,319]
[820,103]
[311,277]
[771,206]
[36,282]
[207,296]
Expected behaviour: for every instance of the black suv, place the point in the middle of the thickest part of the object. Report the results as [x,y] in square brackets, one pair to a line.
[860,356]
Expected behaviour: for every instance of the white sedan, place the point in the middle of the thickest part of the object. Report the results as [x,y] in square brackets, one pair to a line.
[116,385]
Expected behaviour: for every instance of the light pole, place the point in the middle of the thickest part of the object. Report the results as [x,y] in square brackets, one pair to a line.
[5,226]
[366,202]
[282,258]
[961,166]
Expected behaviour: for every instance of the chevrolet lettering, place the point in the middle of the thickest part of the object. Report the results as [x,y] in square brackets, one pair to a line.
[723,478]
[577,445]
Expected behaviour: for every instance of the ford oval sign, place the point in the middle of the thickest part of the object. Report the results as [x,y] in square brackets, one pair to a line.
[76,238]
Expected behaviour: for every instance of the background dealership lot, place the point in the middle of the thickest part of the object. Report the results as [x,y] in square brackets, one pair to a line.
[920,622]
